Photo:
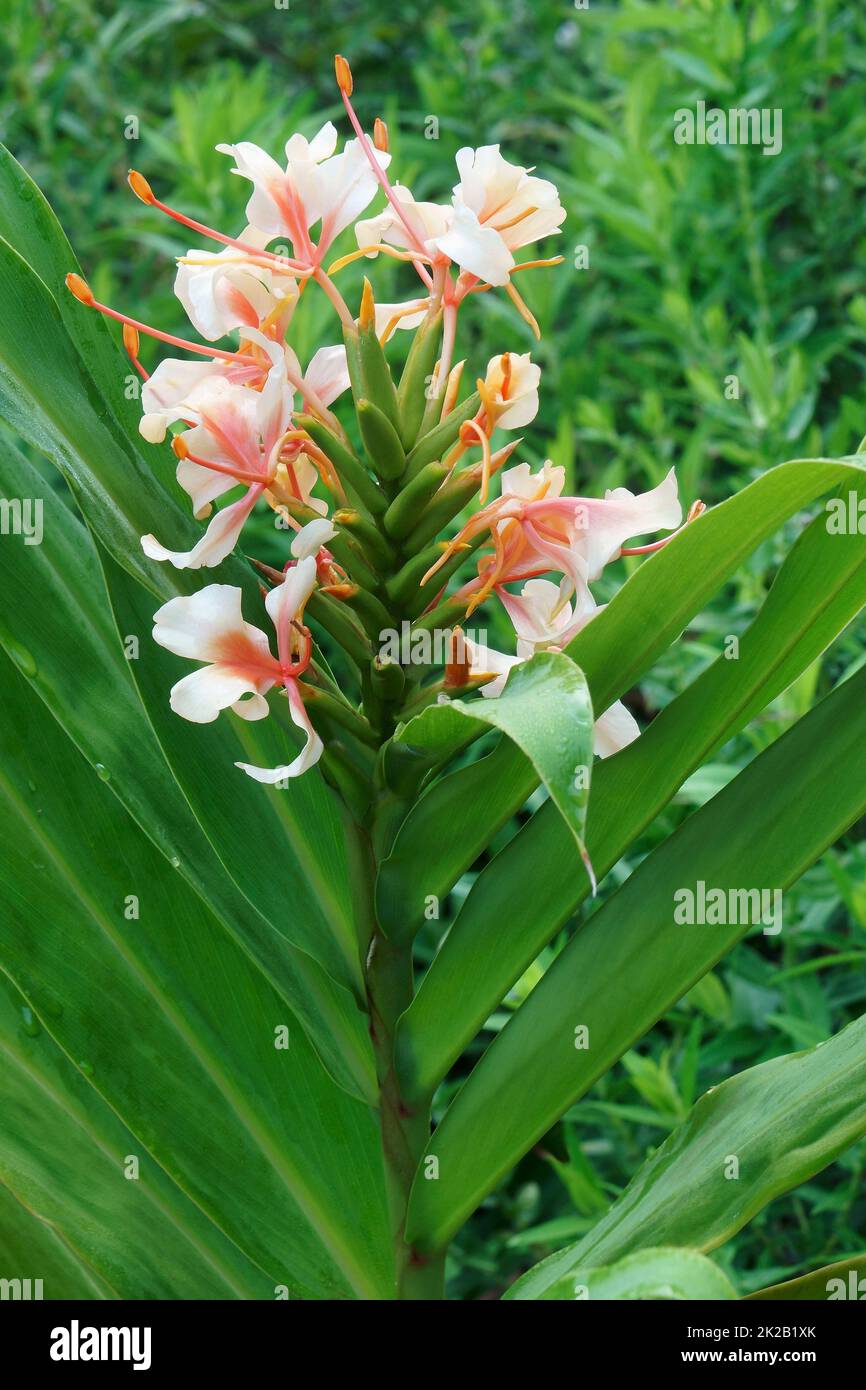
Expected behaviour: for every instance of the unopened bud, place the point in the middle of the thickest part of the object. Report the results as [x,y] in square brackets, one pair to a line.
[457,665]
[367,316]
[343,74]
[80,288]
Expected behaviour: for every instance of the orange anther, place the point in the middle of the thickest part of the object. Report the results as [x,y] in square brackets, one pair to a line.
[140,186]
[131,339]
[80,288]
[380,135]
[343,74]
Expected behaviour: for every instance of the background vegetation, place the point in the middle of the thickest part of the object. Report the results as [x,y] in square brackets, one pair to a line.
[703,263]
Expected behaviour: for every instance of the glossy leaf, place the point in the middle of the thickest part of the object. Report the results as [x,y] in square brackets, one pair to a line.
[457,818]
[103,1216]
[545,710]
[654,1274]
[842,1280]
[123,966]
[780,1122]
[631,961]
[500,928]
[56,624]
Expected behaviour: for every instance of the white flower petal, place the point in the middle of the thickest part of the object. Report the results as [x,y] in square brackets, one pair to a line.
[218,541]
[475,248]
[201,695]
[614,729]
[310,539]
[309,754]
[285,601]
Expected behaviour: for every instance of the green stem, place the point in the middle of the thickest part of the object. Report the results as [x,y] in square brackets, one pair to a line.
[405,1129]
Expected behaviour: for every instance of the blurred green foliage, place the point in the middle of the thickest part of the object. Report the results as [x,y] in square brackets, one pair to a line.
[704,263]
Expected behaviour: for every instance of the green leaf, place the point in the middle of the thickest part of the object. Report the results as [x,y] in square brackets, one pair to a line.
[29,225]
[842,1280]
[171,1024]
[500,930]
[264,836]
[31,1248]
[65,1156]
[458,817]
[631,961]
[56,623]
[546,711]
[781,1121]
[655,1274]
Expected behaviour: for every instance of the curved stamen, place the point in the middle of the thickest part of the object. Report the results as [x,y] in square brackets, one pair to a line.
[142,189]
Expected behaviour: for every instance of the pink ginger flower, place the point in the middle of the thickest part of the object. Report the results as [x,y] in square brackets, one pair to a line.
[240,668]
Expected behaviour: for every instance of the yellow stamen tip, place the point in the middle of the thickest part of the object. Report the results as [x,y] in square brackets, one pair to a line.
[80,288]
[343,74]
[380,135]
[140,186]
[367,316]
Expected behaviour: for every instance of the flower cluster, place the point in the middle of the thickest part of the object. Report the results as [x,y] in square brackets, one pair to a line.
[365,548]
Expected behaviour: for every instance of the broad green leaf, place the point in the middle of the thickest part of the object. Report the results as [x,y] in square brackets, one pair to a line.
[66,1157]
[545,710]
[29,225]
[780,1122]
[31,1248]
[59,411]
[48,397]
[458,816]
[176,1029]
[840,1281]
[55,622]
[655,1274]
[500,928]
[631,960]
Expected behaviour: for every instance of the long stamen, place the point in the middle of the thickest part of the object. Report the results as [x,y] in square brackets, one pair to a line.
[142,189]
[84,294]
[536,265]
[380,246]
[240,474]
[403,313]
[345,83]
[449,400]
[523,309]
[472,427]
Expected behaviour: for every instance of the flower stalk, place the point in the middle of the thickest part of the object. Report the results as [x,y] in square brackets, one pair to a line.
[371,532]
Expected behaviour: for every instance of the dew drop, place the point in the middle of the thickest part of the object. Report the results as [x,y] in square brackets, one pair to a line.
[174,862]
[31,1023]
[24,659]
[86,1068]
[102,772]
